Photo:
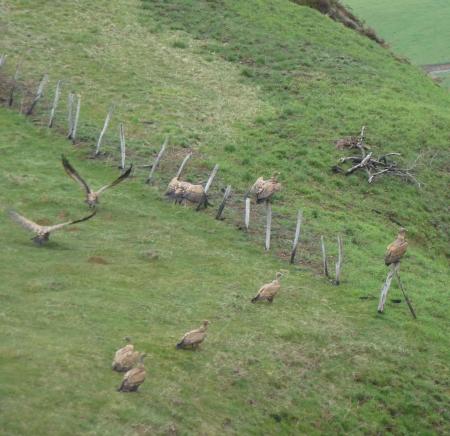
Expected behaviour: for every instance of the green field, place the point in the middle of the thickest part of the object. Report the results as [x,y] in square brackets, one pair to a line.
[417,29]
[319,360]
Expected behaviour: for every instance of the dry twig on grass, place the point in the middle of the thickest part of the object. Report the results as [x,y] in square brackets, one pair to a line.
[375,167]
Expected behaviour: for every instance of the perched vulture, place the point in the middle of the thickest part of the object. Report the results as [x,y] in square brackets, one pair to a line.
[397,249]
[184,191]
[264,189]
[194,338]
[125,358]
[133,378]
[42,232]
[92,197]
[269,290]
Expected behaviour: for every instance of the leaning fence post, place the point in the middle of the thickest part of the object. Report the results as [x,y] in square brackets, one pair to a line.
[70,100]
[224,201]
[297,236]
[211,178]
[324,257]
[14,86]
[247,212]
[105,126]
[122,146]
[268,224]
[408,302]
[386,286]
[183,164]
[158,158]
[75,122]
[55,104]
[208,185]
[39,94]
[339,261]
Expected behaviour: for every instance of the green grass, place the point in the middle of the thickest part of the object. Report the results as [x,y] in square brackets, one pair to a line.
[319,360]
[417,29]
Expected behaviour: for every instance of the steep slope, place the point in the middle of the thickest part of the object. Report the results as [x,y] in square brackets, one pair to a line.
[417,29]
[319,358]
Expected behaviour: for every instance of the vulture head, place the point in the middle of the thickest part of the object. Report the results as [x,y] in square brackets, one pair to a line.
[92,200]
[278,275]
[402,232]
[41,238]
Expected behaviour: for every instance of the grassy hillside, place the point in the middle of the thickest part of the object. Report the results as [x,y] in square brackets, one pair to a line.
[417,29]
[319,359]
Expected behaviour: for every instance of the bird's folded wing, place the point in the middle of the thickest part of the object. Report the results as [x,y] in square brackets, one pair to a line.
[72,172]
[24,222]
[119,179]
[193,337]
[136,376]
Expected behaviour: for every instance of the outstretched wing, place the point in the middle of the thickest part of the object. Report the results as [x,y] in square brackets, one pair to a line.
[118,180]
[60,226]
[72,172]
[24,222]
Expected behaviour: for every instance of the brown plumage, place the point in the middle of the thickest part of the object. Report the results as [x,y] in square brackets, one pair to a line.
[125,358]
[269,290]
[42,232]
[194,338]
[263,190]
[92,197]
[133,378]
[181,191]
[396,249]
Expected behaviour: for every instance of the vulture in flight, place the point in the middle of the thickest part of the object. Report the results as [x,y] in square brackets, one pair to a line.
[125,358]
[92,197]
[194,338]
[133,378]
[263,190]
[43,232]
[269,290]
[396,249]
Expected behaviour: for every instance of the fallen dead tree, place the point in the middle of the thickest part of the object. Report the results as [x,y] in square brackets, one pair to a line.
[375,167]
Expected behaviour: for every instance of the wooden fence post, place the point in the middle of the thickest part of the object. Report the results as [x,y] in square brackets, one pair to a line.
[408,302]
[55,104]
[324,257]
[211,178]
[105,126]
[14,86]
[39,94]
[208,185]
[77,117]
[158,158]
[222,205]
[386,286]
[183,164]
[339,261]
[70,100]
[297,236]
[268,224]
[247,213]
[122,146]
